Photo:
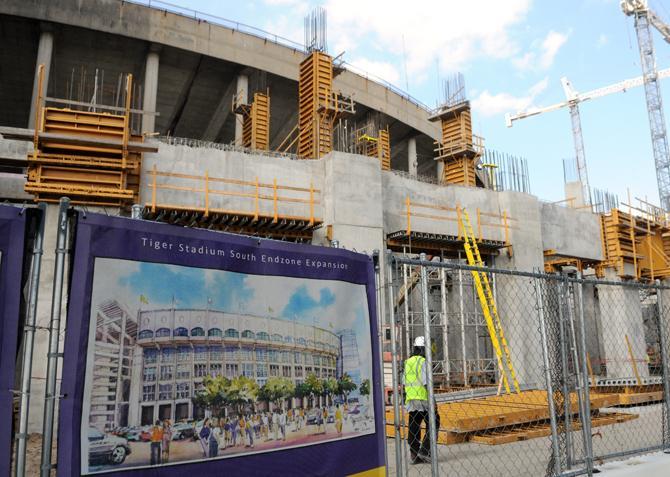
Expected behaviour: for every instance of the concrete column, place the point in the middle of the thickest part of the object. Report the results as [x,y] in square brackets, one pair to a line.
[44,53]
[243,91]
[412,161]
[150,88]
[440,170]
[574,193]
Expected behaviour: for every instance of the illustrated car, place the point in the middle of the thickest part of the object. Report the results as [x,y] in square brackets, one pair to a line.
[183,430]
[106,447]
[313,416]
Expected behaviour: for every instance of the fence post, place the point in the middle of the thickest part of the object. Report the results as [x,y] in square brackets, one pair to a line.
[394,367]
[547,377]
[29,340]
[54,335]
[586,420]
[376,259]
[432,421]
[662,327]
[153,189]
[563,342]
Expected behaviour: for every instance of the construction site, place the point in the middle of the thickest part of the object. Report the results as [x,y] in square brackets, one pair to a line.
[548,322]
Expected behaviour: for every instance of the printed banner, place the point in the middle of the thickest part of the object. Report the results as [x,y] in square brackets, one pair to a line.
[12,238]
[189,350]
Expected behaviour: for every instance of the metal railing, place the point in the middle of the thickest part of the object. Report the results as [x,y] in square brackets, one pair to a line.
[266,35]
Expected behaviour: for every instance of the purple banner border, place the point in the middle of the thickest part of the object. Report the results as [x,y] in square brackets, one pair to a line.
[114,237]
[12,239]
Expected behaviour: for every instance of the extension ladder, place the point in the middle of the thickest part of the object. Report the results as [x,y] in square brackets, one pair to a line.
[488,305]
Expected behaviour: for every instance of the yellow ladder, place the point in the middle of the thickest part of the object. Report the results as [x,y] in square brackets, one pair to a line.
[488,305]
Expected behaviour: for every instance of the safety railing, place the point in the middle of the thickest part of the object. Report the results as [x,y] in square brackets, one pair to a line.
[483,222]
[267,200]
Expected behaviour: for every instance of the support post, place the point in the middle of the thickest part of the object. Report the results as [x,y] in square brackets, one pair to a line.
[28,345]
[150,88]
[432,421]
[550,389]
[412,161]
[44,54]
[394,367]
[136,211]
[665,365]
[461,309]
[274,200]
[242,92]
[563,334]
[376,259]
[582,360]
[50,395]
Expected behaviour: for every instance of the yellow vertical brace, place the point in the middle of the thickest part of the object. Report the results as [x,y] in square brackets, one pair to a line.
[632,360]
[311,203]
[460,221]
[256,198]
[409,224]
[588,362]
[38,109]
[479,224]
[206,193]
[506,228]
[632,236]
[489,304]
[651,257]
[274,200]
[126,121]
[153,189]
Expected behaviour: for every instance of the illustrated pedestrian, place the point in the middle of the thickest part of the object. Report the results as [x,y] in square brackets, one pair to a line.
[282,424]
[416,397]
[213,442]
[338,419]
[156,440]
[250,432]
[275,425]
[167,439]
[204,437]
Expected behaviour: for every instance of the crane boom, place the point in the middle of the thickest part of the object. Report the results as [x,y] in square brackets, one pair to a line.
[619,87]
[643,17]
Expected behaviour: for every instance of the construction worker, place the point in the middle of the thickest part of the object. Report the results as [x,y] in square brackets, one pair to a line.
[416,399]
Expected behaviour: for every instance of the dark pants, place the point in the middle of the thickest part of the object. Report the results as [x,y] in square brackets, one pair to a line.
[155,453]
[416,444]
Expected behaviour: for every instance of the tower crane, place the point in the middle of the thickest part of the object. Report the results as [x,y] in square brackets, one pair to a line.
[573,99]
[644,17]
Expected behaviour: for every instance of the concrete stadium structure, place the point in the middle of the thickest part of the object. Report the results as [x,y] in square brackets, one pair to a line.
[189,70]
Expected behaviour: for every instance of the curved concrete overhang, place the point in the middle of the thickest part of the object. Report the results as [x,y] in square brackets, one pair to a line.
[209,39]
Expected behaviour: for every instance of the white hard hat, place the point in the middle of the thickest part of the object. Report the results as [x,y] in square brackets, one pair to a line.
[420,341]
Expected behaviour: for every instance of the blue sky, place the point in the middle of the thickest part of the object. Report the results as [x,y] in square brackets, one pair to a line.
[513,54]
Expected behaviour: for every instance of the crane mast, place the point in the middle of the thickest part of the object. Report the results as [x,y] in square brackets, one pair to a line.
[578,138]
[643,17]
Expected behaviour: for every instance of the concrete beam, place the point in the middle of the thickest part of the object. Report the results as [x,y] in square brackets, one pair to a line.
[44,54]
[150,88]
[243,90]
[183,99]
[221,113]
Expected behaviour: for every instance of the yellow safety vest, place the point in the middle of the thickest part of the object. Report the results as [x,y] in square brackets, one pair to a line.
[414,388]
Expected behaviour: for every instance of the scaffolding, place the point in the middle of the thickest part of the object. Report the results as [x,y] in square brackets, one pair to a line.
[373,142]
[460,149]
[255,120]
[90,156]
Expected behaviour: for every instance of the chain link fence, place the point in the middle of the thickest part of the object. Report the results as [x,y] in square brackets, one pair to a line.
[532,374]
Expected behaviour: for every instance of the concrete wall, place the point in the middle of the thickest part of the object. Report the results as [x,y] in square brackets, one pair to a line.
[580,239]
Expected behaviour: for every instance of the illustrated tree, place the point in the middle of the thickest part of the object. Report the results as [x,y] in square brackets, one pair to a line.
[242,391]
[330,388]
[315,385]
[365,388]
[276,389]
[302,391]
[213,396]
[346,386]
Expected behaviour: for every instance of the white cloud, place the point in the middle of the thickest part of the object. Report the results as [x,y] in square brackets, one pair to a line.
[543,53]
[452,33]
[380,69]
[602,40]
[488,104]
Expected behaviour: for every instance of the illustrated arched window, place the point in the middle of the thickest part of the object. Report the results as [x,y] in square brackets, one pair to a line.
[248,334]
[262,335]
[288,339]
[232,333]
[162,333]
[197,331]
[215,332]
[310,343]
[301,341]
[146,334]
[181,331]
[277,337]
